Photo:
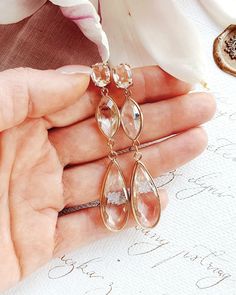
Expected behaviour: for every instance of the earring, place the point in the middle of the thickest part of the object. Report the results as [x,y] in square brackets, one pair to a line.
[114,199]
[145,201]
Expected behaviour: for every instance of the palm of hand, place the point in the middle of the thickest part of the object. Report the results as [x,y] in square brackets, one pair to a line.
[29,212]
[36,182]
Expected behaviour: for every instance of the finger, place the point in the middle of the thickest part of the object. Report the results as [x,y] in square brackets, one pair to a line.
[159,158]
[83,142]
[80,228]
[150,84]
[32,93]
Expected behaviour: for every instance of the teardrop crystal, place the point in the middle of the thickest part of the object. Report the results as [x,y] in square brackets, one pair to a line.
[131,118]
[108,116]
[114,201]
[144,197]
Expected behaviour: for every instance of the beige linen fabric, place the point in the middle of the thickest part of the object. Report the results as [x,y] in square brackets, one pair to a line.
[46,40]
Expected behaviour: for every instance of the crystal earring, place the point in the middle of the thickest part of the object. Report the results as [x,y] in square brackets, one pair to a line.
[114,199]
[145,201]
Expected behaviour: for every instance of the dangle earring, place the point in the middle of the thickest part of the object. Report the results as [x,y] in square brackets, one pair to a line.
[114,199]
[145,201]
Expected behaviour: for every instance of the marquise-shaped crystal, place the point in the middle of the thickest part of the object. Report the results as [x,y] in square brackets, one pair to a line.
[144,197]
[114,201]
[131,118]
[108,116]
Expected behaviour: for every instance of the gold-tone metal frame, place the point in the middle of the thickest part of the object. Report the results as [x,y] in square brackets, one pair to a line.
[102,206]
[118,113]
[133,194]
[141,118]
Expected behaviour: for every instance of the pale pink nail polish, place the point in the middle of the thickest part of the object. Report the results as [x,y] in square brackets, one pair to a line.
[75,69]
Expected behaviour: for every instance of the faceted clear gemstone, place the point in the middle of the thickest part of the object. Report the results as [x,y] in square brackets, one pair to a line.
[108,116]
[114,200]
[122,76]
[131,118]
[145,198]
[101,74]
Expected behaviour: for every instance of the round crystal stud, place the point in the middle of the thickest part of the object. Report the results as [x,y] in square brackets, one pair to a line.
[144,197]
[101,74]
[122,76]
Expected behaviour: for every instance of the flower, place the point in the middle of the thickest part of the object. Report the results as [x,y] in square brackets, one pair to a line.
[222,11]
[139,32]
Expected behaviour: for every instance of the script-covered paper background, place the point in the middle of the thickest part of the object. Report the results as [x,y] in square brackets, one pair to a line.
[193,250]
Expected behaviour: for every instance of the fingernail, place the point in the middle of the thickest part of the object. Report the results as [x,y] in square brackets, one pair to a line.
[75,69]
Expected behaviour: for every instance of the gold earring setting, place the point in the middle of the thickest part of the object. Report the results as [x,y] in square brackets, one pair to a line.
[114,200]
[145,201]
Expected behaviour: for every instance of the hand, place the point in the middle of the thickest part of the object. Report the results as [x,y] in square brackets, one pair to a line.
[47,125]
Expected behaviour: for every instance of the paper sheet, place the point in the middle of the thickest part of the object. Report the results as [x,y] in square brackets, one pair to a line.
[193,250]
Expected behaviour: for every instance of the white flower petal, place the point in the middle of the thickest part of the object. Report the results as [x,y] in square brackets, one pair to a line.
[222,11]
[125,45]
[86,18]
[12,11]
[68,3]
[153,32]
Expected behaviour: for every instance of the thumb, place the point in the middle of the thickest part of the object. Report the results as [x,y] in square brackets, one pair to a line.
[26,92]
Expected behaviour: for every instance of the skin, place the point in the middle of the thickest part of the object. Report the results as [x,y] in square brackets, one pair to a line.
[52,156]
